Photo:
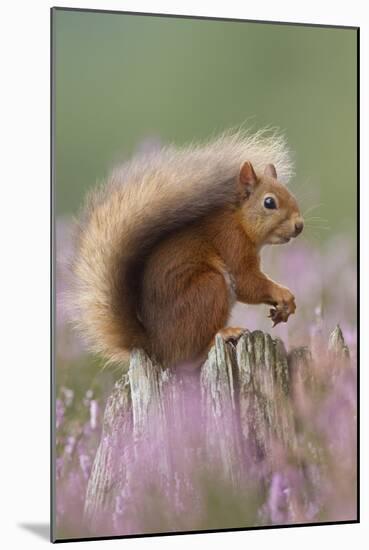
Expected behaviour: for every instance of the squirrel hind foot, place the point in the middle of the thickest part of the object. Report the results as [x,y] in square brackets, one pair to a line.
[229,334]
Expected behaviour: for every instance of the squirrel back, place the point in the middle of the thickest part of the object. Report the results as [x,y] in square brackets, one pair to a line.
[144,201]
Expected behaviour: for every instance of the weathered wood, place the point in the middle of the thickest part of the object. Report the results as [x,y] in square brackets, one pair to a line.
[229,413]
[107,472]
[337,346]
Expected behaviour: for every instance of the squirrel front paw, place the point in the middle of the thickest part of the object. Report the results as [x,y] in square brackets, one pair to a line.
[285,306]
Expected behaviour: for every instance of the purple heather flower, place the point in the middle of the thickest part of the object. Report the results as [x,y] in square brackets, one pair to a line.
[59,412]
[94,411]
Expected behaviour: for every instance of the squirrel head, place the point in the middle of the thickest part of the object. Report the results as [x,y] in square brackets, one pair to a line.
[269,212]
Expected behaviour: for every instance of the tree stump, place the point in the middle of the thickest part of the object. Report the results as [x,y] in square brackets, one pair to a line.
[159,423]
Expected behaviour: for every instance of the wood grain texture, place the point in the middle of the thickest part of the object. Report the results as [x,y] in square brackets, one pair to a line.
[229,413]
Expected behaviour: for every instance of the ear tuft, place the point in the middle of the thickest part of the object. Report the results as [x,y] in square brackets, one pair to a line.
[248,177]
[270,171]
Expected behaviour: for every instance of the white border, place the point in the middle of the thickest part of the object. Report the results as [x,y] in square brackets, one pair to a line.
[25,264]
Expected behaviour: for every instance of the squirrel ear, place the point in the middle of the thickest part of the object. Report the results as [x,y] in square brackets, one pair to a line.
[270,171]
[247,176]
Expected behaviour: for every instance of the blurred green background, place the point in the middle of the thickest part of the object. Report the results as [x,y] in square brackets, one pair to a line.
[120,79]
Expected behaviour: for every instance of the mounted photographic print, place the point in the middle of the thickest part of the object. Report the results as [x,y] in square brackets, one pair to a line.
[205,189]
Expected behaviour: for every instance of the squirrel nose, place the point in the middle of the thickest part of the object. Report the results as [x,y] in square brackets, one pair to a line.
[299,226]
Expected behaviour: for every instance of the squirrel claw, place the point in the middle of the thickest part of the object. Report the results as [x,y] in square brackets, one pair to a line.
[278,315]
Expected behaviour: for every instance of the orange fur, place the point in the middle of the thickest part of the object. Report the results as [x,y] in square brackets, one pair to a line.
[168,246]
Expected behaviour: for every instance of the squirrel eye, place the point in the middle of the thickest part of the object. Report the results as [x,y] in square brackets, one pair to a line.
[270,203]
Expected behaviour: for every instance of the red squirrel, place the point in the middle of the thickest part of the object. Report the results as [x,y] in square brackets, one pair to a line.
[173,239]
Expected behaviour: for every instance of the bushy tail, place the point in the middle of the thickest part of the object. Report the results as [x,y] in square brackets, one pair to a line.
[144,200]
